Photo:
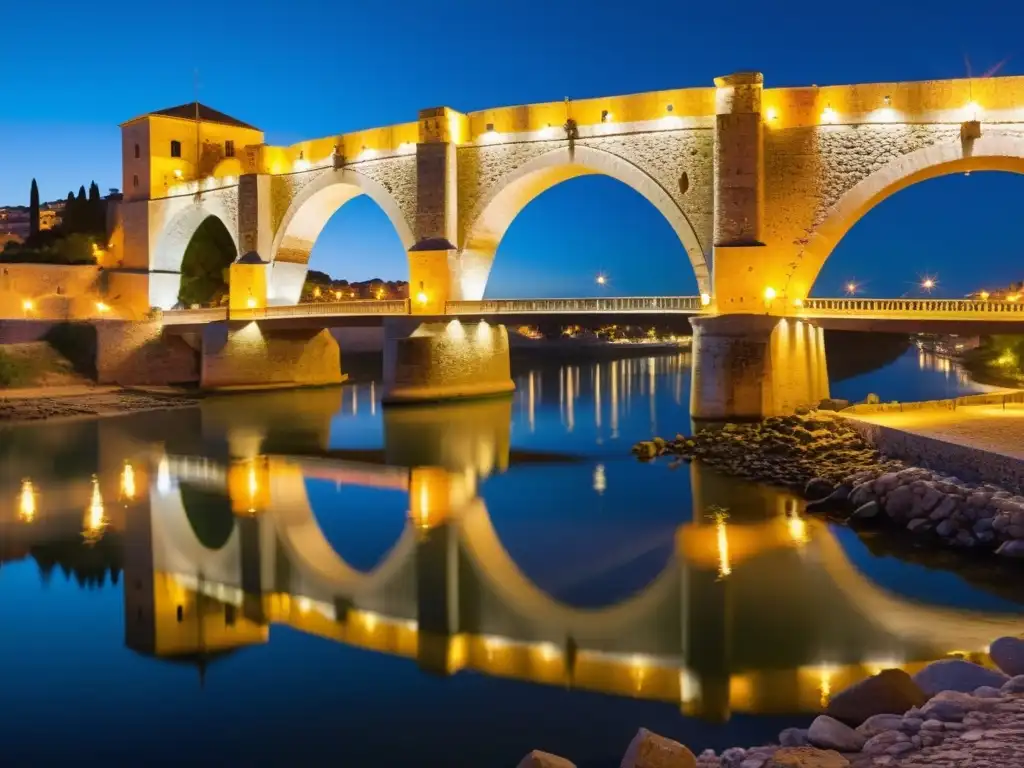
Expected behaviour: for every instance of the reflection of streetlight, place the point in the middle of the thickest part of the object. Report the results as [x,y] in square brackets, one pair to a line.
[27,502]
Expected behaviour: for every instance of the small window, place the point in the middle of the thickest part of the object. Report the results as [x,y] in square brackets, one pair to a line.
[137,153]
[229,615]
[175,149]
[229,149]
[181,614]
[135,182]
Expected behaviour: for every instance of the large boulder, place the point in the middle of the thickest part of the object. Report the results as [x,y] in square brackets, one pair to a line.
[807,757]
[877,724]
[1014,685]
[1007,653]
[890,692]
[899,502]
[538,759]
[957,675]
[828,733]
[793,737]
[818,488]
[649,750]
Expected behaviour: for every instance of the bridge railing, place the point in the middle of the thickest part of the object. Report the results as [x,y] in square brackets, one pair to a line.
[326,308]
[554,306]
[952,307]
[190,316]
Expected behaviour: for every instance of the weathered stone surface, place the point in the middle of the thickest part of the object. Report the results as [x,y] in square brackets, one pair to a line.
[1013,548]
[828,733]
[876,724]
[899,502]
[818,488]
[793,737]
[956,675]
[649,750]
[538,759]
[866,511]
[807,757]
[1008,654]
[1014,685]
[892,692]
[879,743]
[986,692]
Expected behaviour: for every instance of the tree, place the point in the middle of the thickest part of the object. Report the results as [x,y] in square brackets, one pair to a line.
[33,210]
[207,259]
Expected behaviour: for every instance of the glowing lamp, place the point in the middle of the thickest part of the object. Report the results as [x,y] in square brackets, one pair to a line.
[973,110]
[798,302]
[421,297]
[337,295]
[602,280]
[177,173]
[851,288]
[984,295]
[771,113]
[101,307]
[705,299]
[28,305]
[250,303]
[928,283]
[606,116]
[829,115]
[769,294]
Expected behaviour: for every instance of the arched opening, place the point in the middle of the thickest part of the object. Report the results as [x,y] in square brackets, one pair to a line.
[358,244]
[955,230]
[992,152]
[209,513]
[206,264]
[494,215]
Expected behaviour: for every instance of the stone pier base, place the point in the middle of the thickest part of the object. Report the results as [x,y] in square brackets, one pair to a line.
[429,361]
[251,357]
[751,367]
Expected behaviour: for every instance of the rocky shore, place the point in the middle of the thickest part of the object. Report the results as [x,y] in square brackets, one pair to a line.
[951,714]
[818,455]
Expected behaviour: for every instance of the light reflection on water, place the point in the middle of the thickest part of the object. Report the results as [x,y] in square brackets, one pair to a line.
[408,569]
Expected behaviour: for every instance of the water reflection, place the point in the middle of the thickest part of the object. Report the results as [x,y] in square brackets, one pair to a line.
[756,609]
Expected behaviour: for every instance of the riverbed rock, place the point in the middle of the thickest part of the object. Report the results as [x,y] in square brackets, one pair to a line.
[1013,548]
[649,750]
[944,508]
[862,494]
[807,757]
[876,724]
[899,502]
[828,733]
[1007,653]
[818,488]
[1013,685]
[890,692]
[986,692]
[793,737]
[538,759]
[879,743]
[956,675]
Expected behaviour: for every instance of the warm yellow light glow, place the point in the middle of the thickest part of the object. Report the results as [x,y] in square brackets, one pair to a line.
[601,280]
[483,331]
[973,110]
[367,154]
[250,303]
[798,302]
[406,147]
[27,502]
[128,482]
[1007,359]
[769,294]
[1013,297]
[824,686]
[101,307]
[177,173]
[928,283]
[722,537]
[28,305]
[421,297]
[600,482]
[797,529]
[456,330]
[316,292]
[254,488]
[984,295]
[851,288]
[380,293]
[95,517]
[829,115]
[705,299]
[337,295]
[771,113]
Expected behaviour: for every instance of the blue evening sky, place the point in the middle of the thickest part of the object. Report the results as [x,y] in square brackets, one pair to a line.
[310,68]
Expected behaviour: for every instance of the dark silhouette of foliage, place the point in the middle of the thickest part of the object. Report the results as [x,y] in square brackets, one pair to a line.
[204,269]
[33,210]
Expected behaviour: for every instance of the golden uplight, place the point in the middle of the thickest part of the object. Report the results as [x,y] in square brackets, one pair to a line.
[421,297]
[102,307]
[705,299]
[128,482]
[769,294]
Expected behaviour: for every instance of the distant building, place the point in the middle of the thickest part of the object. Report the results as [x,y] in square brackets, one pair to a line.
[14,219]
[1012,292]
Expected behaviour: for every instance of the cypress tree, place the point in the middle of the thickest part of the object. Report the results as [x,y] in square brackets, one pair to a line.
[81,194]
[94,193]
[33,210]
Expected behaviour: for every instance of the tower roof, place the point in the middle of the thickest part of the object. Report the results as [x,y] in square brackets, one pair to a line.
[206,115]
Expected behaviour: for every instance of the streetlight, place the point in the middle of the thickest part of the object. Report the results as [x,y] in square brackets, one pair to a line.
[602,280]
[928,283]
[851,288]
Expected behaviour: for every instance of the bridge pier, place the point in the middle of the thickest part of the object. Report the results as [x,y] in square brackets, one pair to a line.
[752,367]
[431,361]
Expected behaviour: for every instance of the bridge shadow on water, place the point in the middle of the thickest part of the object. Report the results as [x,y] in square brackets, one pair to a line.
[461,580]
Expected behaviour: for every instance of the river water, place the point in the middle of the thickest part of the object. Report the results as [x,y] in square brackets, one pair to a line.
[306,578]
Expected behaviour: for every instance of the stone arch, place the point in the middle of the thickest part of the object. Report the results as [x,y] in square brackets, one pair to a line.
[307,215]
[182,550]
[500,206]
[173,240]
[991,152]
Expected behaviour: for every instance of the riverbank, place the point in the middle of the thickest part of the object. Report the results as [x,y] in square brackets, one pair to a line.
[952,713]
[45,403]
[846,477]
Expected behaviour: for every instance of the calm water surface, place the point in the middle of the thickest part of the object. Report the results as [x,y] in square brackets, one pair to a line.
[303,577]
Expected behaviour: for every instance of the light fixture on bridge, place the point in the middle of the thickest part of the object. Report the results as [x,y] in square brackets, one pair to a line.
[366,153]
[421,297]
[101,307]
[705,299]
[983,295]
[490,135]
[337,295]
[1013,297]
[829,115]
[28,305]
[798,302]
[250,303]
[851,288]
[606,116]
[406,148]
[887,100]
[928,283]
[771,114]
[770,294]
[601,280]
[972,110]
[177,173]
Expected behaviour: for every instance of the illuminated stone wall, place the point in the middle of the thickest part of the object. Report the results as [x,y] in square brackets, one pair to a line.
[52,291]
[251,357]
[130,353]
